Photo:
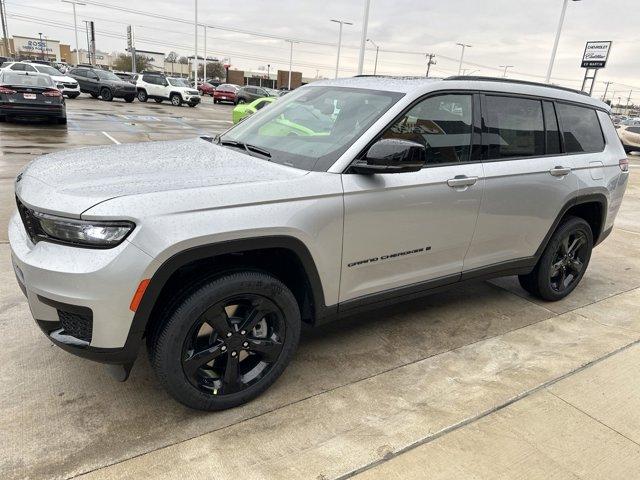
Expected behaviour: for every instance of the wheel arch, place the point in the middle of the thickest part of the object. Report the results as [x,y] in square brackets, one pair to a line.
[591,207]
[302,278]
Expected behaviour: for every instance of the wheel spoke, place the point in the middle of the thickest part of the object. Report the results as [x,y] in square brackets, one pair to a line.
[257,313]
[564,245]
[562,278]
[269,349]
[576,265]
[575,245]
[555,268]
[192,363]
[217,318]
[231,380]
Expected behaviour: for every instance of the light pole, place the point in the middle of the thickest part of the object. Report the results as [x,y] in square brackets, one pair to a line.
[291,42]
[41,47]
[5,34]
[268,75]
[505,69]
[363,39]
[557,40]
[204,72]
[463,45]
[195,57]
[342,23]
[75,26]
[375,65]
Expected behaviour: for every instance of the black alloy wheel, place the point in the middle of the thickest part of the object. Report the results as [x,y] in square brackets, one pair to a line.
[568,261]
[226,340]
[106,95]
[563,262]
[234,344]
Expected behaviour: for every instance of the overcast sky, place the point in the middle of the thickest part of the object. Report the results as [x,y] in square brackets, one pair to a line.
[514,32]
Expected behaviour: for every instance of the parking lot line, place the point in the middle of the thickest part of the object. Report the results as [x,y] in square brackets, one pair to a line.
[111,138]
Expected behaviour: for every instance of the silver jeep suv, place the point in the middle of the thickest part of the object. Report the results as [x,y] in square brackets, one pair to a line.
[342,196]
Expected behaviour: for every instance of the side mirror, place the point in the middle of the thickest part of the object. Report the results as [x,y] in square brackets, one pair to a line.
[391,155]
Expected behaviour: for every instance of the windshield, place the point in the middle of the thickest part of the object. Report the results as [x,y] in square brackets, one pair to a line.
[102,75]
[15,79]
[178,82]
[311,127]
[272,92]
[48,70]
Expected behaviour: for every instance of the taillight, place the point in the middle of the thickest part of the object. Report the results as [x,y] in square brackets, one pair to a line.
[52,93]
[624,164]
[6,90]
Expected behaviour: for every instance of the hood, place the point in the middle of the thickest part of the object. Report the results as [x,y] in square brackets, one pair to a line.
[63,79]
[73,181]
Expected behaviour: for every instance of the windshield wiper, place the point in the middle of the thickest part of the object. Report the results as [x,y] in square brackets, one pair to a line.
[246,147]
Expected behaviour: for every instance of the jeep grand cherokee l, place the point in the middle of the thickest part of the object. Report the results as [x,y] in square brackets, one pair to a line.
[342,196]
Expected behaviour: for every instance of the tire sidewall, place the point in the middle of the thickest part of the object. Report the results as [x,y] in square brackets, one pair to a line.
[544,267]
[167,349]
[179,102]
[108,97]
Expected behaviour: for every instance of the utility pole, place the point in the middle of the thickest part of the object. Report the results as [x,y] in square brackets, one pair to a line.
[363,39]
[375,65]
[269,76]
[291,42]
[430,61]
[342,23]
[463,45]
[75,26]
[5,34]
[504,74]
[195,57]
[606,89]
[204,73]
[628,101]
[41,47]
[86,28]
[557,40]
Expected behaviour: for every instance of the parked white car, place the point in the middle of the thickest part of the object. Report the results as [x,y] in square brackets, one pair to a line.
[160,87]
[67,85]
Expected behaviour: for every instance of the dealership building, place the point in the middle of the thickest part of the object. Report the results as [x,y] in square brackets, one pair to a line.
[32,48]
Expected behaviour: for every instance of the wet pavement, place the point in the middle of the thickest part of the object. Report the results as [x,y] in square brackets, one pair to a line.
[478,382]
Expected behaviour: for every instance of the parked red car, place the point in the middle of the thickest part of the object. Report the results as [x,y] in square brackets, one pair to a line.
[206,89]
[225,93]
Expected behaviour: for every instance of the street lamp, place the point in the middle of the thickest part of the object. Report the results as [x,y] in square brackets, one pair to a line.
[557,40]
[505,69]
[290,61]
[342,23]
[463,45]
[375,65]
[363,39]
[75,26]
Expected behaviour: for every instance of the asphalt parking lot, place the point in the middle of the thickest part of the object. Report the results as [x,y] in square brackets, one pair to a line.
[482,382]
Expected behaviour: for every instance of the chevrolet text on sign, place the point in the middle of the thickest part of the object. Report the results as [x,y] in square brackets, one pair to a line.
[596,54]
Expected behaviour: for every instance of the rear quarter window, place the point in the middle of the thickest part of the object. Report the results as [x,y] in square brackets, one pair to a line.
[580,128]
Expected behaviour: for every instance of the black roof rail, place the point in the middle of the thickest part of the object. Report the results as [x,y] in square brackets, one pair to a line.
[479,78]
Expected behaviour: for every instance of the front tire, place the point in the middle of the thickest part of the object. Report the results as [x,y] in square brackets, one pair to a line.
[563,262]
[106,95]
[142,96]
[227,341]
[176,99]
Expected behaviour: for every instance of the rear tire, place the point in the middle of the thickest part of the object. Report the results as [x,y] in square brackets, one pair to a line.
[94,95]
[142,96]
[563,262]
[106,95]
[226,341]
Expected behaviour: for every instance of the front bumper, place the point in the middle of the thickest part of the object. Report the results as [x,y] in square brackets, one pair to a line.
[69,90]
[95,286]
[193,99]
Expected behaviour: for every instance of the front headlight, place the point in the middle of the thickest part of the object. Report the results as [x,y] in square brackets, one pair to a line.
[88,233]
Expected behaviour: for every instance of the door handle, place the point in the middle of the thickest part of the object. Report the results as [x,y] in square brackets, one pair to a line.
[461,181]
[560,171]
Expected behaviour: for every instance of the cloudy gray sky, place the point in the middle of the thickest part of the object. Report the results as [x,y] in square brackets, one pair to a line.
[514,32]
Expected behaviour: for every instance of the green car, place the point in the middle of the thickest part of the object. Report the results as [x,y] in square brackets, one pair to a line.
[243,110]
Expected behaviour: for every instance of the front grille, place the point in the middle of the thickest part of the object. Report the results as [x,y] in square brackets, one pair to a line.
[77,324]
[193,92]
[70,85]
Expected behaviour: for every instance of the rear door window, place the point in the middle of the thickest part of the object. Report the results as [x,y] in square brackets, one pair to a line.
[514,128]
[580,128]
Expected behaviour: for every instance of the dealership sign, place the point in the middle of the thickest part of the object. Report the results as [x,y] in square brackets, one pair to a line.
[596,54]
